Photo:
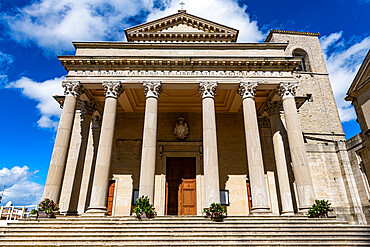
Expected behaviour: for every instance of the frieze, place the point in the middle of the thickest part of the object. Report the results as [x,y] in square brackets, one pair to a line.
[180,73]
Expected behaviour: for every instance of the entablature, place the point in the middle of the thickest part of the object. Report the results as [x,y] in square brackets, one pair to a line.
[175,63]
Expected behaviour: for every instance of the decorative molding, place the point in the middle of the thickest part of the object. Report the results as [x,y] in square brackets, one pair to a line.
[87,107]
[247,89]
[181,129]
[72,88]
[273,107]
[264,122]
[287,89]
[152,89]
[207,89]
[185,73]
[112,89]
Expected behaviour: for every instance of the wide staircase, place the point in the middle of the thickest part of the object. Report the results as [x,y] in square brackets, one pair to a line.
[184,231]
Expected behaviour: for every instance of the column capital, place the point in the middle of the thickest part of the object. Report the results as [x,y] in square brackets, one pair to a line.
[87,107]
[207,89]
[287,89]
[247,89]
[273,108]
[152,89]
[112,89]
[72,88]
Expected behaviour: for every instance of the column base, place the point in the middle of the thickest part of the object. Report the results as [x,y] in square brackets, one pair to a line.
[261,211]
[287,214]
[302,211]
[70,213]
[96,212]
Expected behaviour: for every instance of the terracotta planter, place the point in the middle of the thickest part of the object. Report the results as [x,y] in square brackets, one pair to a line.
[44,215]
[218,219]
[143,215]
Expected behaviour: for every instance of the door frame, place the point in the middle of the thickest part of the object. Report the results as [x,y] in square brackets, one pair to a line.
[171,149]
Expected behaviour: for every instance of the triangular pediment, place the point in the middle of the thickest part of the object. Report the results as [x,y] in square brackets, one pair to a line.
[181,27]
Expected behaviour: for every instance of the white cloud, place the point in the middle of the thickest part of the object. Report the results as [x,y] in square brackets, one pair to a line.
[42,92]
[19,189]
[342,65]
[5,61]
[226,12]
[54,24]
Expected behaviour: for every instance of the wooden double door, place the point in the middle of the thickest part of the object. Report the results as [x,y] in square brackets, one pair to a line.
[181,186]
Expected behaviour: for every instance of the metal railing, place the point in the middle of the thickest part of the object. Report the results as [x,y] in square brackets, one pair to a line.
[9,213]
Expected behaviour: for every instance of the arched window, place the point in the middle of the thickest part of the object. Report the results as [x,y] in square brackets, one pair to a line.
[304,65]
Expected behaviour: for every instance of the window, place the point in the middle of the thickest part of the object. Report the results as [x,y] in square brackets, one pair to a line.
[224,197]
[135,196]
[304,65]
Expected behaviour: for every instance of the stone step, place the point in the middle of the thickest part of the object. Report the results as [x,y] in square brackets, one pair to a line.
[169,240]
[252,234]
[192,218]
[193,228]
[184,231]
[206,244]
[164,229]
[174,222]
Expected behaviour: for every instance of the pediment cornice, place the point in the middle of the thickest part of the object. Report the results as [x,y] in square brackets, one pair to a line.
[181,27]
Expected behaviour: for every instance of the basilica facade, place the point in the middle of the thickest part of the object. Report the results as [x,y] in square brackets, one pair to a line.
[184,114]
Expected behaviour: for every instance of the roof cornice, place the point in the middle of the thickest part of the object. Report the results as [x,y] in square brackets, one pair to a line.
[268,38]
[355,85]
[207,46]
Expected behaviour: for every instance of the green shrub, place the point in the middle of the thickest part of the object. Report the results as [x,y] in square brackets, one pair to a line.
[215,211]
[319,209]
[143,206]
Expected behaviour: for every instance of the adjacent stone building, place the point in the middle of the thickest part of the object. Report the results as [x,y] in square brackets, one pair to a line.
[184,114]
[359,145]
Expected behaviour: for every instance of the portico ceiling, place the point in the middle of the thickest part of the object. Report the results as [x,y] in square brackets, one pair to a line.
[180,100]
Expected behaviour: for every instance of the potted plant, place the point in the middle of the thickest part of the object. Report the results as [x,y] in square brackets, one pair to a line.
[216,212]
[319,209]
[144,209]
[46,209]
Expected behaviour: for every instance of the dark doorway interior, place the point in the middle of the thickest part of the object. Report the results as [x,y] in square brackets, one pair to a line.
[181,186]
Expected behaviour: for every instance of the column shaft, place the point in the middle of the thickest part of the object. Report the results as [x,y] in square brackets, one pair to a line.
[302,175]
[90,162]
[58,161]
[280,160]
[99,193]
[87,109]
[148,155]
[210,153]
[254,152]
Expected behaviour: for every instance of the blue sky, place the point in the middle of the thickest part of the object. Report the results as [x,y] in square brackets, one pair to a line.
[32,33]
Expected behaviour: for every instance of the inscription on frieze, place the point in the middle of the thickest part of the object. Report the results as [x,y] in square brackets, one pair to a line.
[179,73]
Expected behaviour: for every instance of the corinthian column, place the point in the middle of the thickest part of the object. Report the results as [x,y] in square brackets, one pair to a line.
[148,155]
[99,193]
[210,156]
[298,153]
[53,185]
[260,203]
[273,109]
[87,110]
